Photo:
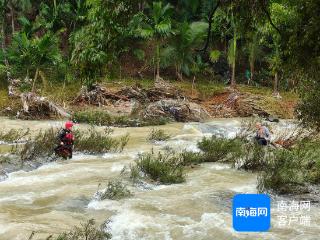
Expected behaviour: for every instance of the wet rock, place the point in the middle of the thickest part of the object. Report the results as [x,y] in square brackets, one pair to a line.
[272,119]
[125,108]
[179,110]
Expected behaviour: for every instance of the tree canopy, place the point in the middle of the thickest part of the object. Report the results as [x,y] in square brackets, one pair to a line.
[256,42]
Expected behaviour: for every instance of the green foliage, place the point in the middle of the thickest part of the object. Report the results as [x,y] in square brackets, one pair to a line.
[94,141]
[96,117]
[308,110]
[34,53]
[87,231]
[254,157]
[155,25]
[158,135]
[182,50]
[115,190]
[13,135]
[291,171]
[91,140]
[191,158]
[214,56]
[165,167]
[220,149]
[101,40]
[41,145]
[103,118]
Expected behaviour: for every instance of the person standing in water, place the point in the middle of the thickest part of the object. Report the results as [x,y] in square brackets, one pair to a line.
[66,140]
[262,134]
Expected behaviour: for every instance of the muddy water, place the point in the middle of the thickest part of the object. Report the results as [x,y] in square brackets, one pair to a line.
[59,195]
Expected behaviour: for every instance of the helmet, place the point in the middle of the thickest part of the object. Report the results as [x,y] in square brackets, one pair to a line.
[68,125]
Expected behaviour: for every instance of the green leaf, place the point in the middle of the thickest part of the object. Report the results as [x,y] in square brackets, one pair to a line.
[215,55]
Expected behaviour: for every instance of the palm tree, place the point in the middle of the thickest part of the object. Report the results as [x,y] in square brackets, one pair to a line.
[157,26]
[181,51]
[36,54]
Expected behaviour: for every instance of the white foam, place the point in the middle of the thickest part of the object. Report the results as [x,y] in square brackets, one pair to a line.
[131,225]
[218,166]
[117,167]
[105,205]
[248,188]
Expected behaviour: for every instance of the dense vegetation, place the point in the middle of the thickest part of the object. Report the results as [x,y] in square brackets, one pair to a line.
[257,42]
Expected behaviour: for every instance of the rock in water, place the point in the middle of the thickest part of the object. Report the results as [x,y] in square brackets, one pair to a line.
[272,119]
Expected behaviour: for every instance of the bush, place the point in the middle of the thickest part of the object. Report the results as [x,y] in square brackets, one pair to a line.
[89,141]
[190,158]
[103,118]
[253,157]
[283,173]
[217,149]
[95,141]
[163,167]
[115,190]
[41,145]
[291,171]
[96,117]
[13,135]
[87,231]
[158,135]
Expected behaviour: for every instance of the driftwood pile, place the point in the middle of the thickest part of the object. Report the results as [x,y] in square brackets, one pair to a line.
[101,96]
[34,106]
[235,104]
[163,100]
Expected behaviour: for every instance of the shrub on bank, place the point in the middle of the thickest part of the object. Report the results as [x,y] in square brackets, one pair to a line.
[115,190]
[284,173]
[13,135]
[41,145]
[103,118]
[95,117]
[291,171]
[253,158]
[220,149]
[89,141]
[95,141]
[191,158]
[158,135]
[165,167]
[86,231]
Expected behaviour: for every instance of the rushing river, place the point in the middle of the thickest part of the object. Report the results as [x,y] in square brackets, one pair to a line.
[59,195]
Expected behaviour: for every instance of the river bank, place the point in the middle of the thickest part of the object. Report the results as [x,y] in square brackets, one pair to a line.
[140,103]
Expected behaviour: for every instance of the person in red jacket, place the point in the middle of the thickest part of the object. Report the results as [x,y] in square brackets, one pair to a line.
[66,140]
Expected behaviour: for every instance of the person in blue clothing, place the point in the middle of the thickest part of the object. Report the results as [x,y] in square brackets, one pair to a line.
[262,135]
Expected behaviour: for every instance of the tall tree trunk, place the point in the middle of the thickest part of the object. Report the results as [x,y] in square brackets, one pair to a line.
[251,71]
[275,85]
[233,78]
[34,81]
[158,62]
[12,19]
[6,63]
[210,16]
